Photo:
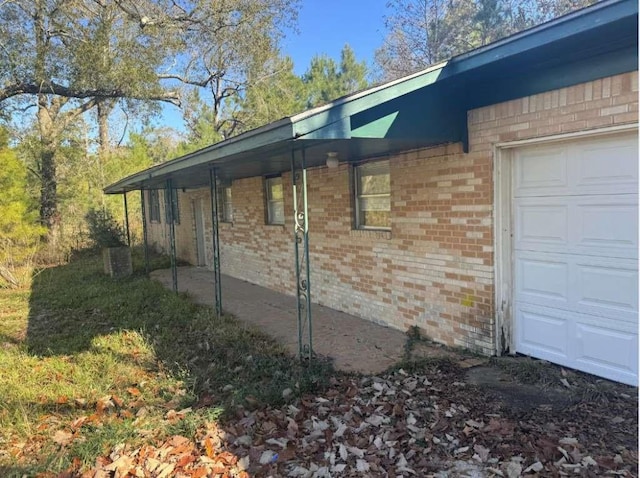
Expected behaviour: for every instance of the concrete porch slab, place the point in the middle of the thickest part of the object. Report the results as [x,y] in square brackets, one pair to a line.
[354,344]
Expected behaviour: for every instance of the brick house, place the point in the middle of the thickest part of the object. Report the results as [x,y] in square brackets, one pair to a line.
[491,200]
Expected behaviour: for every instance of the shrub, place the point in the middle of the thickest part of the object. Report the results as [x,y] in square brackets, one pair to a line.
[104,231]
[20,231]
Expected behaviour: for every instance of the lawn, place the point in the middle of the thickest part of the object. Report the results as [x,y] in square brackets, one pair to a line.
[87,363]
[103,378]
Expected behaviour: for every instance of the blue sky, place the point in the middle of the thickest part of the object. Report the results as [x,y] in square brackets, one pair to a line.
[324,26]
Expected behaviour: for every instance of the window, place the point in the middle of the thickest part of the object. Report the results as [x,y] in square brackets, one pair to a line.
[175,207]
[275,200]
[373,195]
[224,201]
[154,205]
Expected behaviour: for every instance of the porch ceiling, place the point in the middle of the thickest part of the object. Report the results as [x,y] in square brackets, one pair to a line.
[427,108]
[267,160]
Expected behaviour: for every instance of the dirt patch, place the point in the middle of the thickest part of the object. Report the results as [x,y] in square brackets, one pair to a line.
[518,396]
[422,348]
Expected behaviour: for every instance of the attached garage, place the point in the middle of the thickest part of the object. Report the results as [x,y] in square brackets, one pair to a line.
[574,252]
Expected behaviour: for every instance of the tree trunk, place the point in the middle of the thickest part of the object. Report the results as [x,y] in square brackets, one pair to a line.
[48,189]
[104,109]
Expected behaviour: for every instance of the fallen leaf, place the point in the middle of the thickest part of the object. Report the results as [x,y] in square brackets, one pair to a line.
[121,466]
[227,458]
[208,446]
[483,453]
[267,457]
[63,438]
[166,470]
[534,468]
[513,469]
[78,422]
[362,466]
[568,441]
[243,463]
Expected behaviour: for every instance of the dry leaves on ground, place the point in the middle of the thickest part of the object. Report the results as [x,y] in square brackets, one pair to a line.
[400,424]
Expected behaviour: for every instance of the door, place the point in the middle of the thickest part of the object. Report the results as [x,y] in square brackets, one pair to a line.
[575,254]
[200,238]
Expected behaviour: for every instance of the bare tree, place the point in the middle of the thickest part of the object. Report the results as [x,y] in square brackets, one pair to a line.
[423,32]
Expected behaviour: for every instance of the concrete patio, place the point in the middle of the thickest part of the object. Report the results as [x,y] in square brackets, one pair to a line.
[354,344]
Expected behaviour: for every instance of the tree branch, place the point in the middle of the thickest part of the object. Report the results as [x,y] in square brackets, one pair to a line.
[52,88]
[34,172]
[187,81]
[71,115]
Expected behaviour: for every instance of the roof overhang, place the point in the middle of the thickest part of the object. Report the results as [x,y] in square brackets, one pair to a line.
[427,108]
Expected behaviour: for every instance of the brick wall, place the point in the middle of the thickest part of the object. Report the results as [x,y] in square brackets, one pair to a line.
[434,269]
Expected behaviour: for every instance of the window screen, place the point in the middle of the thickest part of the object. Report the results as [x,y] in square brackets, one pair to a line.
[275,201]
[226,207]
[373,195]
[154,205]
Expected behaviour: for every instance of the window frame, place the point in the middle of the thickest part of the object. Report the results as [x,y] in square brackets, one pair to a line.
[153,196]
[268,200]
[225,204]
[356,196]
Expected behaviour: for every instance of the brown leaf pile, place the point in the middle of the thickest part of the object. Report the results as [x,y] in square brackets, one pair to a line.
[177,457]
[400,424]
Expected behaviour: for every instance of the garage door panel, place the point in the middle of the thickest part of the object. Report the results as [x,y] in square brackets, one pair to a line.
[541,330]
[603,225]
[575,254]
[604,163]
[542,169]
[542,281]
[541,223]
[612,353]
[603,287]
[607,226]
[607,348]
[607,288]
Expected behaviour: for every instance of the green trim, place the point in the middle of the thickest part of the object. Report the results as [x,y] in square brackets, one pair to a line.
[378,128]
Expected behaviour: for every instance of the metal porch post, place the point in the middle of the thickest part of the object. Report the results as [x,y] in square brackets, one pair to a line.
[213,184]
[126,219]
[301,249]
[144,232]
[172,232]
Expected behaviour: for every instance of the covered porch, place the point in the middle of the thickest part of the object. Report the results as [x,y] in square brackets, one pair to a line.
[351,343]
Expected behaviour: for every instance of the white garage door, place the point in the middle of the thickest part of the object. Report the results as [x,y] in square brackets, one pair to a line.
[575,224]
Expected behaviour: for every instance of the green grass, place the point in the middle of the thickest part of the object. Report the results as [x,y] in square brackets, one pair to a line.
[106,360]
